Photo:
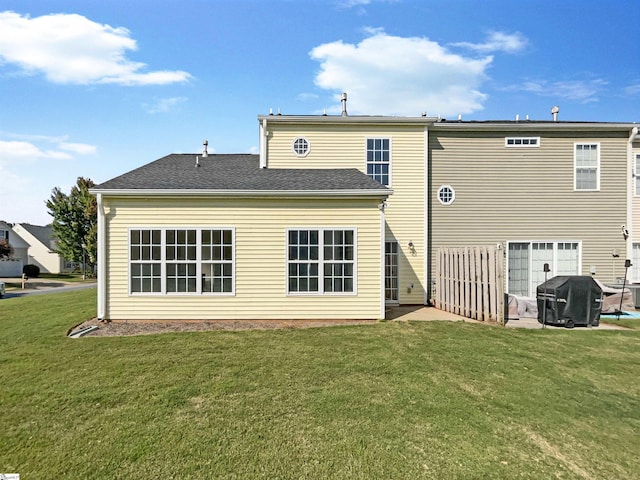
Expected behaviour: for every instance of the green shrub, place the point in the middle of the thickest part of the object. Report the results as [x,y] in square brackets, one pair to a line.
[31,271]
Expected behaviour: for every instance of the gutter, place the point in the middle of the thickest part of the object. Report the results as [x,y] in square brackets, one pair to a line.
[349,119]
[167,192]
[532,125]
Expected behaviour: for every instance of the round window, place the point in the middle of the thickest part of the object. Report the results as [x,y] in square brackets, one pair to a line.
[301,147]
[446,194]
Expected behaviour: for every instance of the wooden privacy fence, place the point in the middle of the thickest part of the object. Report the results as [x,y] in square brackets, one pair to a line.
[470,282]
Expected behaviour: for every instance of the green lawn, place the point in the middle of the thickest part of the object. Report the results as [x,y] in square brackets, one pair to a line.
[392,400]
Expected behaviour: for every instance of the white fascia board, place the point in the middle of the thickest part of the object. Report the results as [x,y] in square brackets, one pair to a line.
[349,119]
[525,125]
[243,193]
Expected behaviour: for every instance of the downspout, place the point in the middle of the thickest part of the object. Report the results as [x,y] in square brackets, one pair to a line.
[426,261]
[383,230]
[263,143]
[102,257]
[630,191]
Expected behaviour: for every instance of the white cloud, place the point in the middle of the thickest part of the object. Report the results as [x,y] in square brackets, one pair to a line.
[71,49]
[353,3]
[390,75]
[498,42]
[163,105]
[80,148]
[633,89]
[581,91]
[21,147]
[17,150]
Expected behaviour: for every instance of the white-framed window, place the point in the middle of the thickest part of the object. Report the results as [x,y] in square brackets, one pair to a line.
[379,159]
[446,194]
[636,174]
[321,261]
[391,274]
[145,260]
[172,260]
[526,259]
[4,234]
[217,260]
[301,147]
[522,142]
[635,263]
[587,166]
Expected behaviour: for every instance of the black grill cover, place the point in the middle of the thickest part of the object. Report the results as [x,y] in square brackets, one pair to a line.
[569,300]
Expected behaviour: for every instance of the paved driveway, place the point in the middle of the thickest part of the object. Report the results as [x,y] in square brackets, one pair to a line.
[42,286]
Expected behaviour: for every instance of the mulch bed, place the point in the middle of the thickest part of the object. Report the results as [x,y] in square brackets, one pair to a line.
[148,327]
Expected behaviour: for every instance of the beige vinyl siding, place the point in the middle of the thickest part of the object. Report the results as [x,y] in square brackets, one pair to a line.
[344,146]
[260,255]
[511,194]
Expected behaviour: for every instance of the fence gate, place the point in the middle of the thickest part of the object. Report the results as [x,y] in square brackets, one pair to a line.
[470,282]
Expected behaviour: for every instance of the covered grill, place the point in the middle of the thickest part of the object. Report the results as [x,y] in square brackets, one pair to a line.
[569,300]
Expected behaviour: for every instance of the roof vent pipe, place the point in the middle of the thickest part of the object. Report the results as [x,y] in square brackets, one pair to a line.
[343,99]
[205,144]
[554,113]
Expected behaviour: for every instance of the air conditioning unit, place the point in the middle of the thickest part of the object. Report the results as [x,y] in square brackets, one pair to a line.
[635,289]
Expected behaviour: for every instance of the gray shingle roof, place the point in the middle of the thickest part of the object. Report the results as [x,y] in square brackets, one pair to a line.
[43,234]
[236,172]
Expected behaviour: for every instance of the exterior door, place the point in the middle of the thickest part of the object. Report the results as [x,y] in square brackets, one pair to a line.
[391,272]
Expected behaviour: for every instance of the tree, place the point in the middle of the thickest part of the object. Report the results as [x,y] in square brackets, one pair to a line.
[75,222]
[6,250]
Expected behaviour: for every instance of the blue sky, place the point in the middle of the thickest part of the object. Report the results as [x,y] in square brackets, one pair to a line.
[95,88]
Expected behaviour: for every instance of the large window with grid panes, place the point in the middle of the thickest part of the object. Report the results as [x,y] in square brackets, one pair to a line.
[321,261]
[379,159]
[174,261]
[525,263]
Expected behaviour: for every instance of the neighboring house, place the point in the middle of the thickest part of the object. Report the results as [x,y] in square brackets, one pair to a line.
[308,230]
[12,266]
[548,192]
[217,237]
[41,251]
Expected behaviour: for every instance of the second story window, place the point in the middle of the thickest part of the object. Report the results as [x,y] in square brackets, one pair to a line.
[637,176]
[515,142]
[446,194]
[379,159]
[301,147]
[587,166]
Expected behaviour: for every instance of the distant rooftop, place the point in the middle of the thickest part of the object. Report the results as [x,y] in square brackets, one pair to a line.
[43,234]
